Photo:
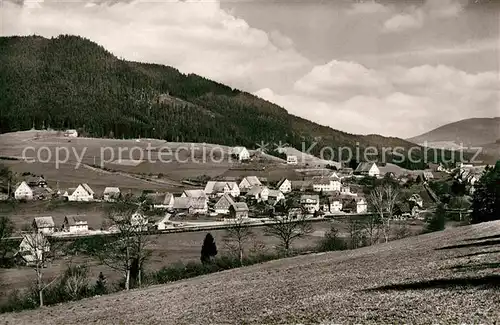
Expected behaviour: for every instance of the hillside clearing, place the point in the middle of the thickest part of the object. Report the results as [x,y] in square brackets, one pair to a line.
[446,277]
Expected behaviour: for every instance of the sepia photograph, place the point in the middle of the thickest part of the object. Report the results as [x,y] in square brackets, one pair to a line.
[249,162]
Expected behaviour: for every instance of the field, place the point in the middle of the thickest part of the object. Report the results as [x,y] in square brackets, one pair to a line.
[167,249]
[444,277]
[131,164]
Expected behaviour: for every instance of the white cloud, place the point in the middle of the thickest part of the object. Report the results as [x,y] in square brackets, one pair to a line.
[193,36]
[364,8]
[415,17]
[405,21]
[390,101]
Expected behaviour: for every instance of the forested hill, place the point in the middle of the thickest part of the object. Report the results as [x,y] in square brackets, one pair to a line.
[71,82]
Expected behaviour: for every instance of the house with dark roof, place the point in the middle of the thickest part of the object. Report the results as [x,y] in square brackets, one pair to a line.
[223,204]
[75,224]
[44,225]
[368,169]
[191,205]
[238,210]
[161,200]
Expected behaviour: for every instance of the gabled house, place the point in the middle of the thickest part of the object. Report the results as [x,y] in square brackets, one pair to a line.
[191,205]
[83,193]
[161,200]
[223,204]
[111,194]
[238,210]
[248,182]
[361,205]
[258,193]
[275,196]
[23,192]
[214,189]
[75,224]
[193,193]
[139,221]
[310,203]
[36,181]
[32,248]
[284,185]
[44,225]
[333,204]
[241,153]
[368,169]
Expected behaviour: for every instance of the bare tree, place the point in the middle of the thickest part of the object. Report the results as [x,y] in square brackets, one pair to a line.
[35,249]
[383,200]
[288,229]
[127,249]
[372,224]
[237,235]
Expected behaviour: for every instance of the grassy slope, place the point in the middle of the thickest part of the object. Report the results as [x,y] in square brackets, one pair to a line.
[324,287]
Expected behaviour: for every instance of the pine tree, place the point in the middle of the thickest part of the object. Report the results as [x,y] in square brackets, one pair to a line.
[209,249]
[486,197]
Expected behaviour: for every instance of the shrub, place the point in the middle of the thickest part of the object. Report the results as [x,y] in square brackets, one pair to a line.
[438,221]
[331,242]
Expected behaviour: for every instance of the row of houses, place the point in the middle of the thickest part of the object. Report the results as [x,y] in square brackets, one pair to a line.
[71,224]
[28,191]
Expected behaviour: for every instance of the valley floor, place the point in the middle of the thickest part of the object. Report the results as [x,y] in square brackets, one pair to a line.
[446,277]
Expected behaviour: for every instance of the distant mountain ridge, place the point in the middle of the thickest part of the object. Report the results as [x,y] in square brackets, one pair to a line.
[469,132]
[70,82]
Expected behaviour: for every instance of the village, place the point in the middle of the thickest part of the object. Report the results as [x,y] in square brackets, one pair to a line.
[320,194]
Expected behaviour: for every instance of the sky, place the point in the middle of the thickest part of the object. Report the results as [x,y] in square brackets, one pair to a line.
[390,67]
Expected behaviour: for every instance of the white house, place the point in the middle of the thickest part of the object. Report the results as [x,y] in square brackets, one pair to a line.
[71,133]
[335,204]
[111,194]
[241,153]
[310,202]
[361,205]
[23,192]
[83,193]
[238,210]
[368,169]
[346,190]
[326,184]
[32,248]
[223,204]
[214,188]
[249,182]
[75,224]
[284,185]
[44,225]
[275,196]
[258,193]
[292,160]
[193,193]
